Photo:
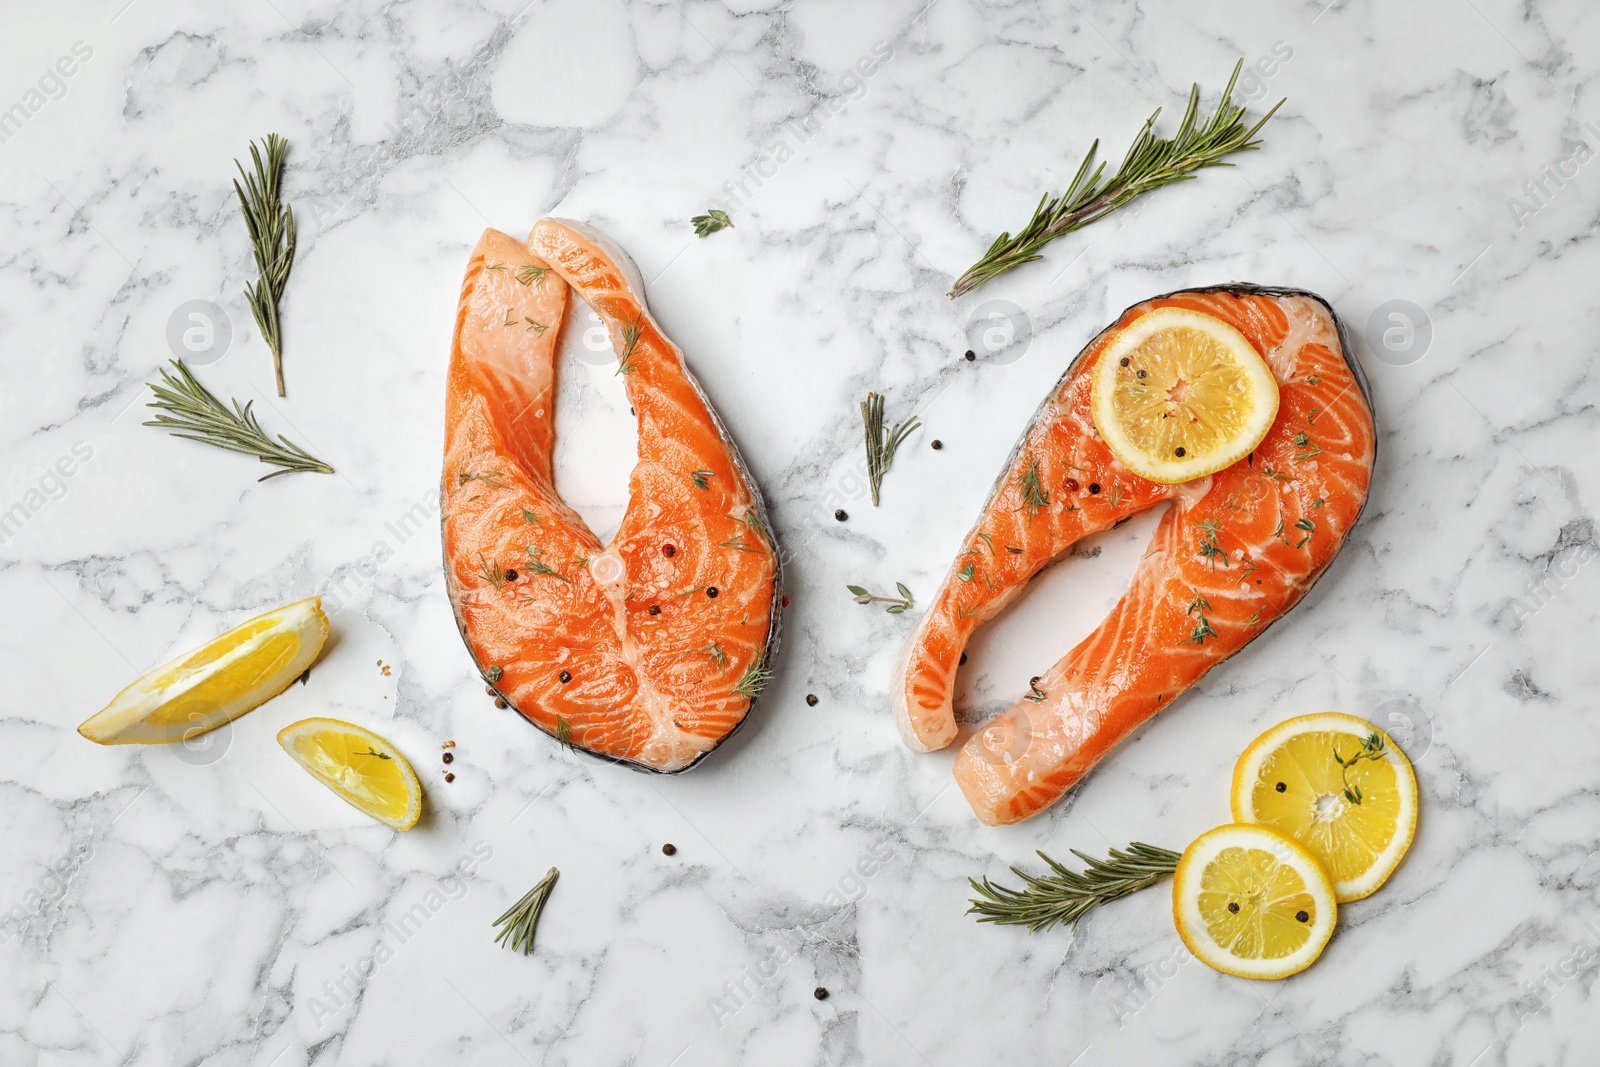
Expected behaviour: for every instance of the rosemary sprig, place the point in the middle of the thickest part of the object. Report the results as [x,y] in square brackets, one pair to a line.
[630,335]
[1066,896]
[190,411]
[531,275]
[896,604]
[755,678]
[1372,749]
[1151,162]
[712,221]
[271,226]
[522,918]
[881,443]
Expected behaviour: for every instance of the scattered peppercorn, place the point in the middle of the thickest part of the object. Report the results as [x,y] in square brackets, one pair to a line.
[711,591]
[1126,361]
[1070,485]
[937,444]
[1094,487]
[1280,787]
[1034,680]
[971,355]
[566,676]
[1178,451]
[1141,374]
[821,993]
[1233,907]
[489,689]
[655,609]
[668,551]
[449,757]
[840,515]
[669,849]
[511,575]
[449,777]
[1302,916]
[500,702]
[811,699]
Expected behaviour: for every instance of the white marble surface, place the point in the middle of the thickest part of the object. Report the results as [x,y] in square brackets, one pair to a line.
[164,907]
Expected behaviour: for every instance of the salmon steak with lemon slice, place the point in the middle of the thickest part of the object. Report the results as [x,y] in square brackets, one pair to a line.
[1240,407]
[649,650]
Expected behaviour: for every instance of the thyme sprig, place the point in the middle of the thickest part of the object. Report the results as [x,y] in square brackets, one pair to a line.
[903,602]
[1372,749]
[1065,896]
[190,411]
[881,443]
[521,920]
[271,225]
[712,221]
[1151,162]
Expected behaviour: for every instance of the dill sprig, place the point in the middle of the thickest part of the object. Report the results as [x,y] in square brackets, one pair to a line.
[271,225]
[1151,162]
[189,410]
[563,732]
[531,275]
[630,336]
[537,565]
[1031,487]
[897,605]
[492,573]
[1066,896]
[754,679]
[712,221]
[881,443]
[522,918]
[714,650]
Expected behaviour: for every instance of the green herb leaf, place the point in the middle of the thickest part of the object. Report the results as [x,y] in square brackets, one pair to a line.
[190,411]
[521,920]
[272,241]
[1065,896]
[712,221]
[881,443]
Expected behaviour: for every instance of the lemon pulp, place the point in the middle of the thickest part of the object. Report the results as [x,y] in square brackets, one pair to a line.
[359,766]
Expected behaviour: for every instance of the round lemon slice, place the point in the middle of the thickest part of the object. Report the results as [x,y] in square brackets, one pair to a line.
[1339,786]
[362,768]
[1252,903]
[215,683]
[1178,394]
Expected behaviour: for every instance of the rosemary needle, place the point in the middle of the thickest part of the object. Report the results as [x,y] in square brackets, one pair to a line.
[1151,162]
[521,920]
[271,238]
[189,410]
[1066,896]
[881,443]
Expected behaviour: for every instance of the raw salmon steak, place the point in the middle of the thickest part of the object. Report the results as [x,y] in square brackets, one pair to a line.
[647,651]
[1235,551]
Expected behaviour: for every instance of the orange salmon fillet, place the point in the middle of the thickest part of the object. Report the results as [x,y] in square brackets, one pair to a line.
[1234,553]
[647,651]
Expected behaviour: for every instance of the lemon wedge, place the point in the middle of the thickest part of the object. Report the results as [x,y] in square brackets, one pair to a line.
[1178,394]
[1251,902]
[1357,818]
[362,768]
[215,683]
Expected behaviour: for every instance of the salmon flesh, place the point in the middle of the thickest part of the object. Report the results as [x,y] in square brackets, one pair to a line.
[1234,553]
[649,650]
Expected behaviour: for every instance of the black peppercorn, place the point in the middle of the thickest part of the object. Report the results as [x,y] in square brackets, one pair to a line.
[937,444]
[511,575]
[821,993]
[1178,451]
[655,609]
[971,355]
[668,551]
[1280,787]
[811,699]
[566,676]
[1126,361]
[1302,916]
[1094,487]
[449,757]
[963,657]
[1233,907]
[449,777]
[669,849]
[711,591]
[840,515]
[1141,374]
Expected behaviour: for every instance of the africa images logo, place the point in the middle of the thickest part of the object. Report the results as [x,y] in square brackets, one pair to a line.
[52,85]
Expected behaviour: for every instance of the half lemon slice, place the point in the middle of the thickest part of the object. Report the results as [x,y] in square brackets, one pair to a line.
[362,768]
[1250,902]
[1178,394]
[215,683]
[1337,785]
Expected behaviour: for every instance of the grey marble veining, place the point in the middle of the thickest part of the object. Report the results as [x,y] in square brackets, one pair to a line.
[212,905]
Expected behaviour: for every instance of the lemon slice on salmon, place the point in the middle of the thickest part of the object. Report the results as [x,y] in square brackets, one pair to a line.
[1338,785]
[1178,394]
[217,682]
[362,768]
[1251,902]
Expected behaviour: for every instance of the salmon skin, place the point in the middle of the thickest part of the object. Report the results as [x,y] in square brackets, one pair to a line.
[1235,552]
[648,651]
